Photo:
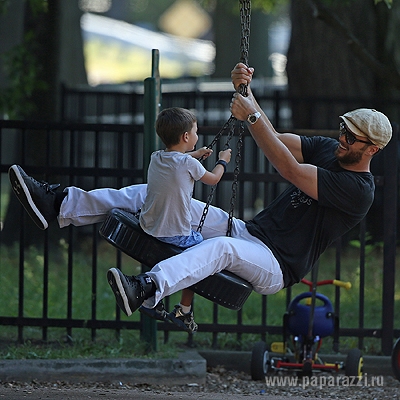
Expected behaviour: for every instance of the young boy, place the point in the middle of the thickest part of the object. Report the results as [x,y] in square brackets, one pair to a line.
[166,212]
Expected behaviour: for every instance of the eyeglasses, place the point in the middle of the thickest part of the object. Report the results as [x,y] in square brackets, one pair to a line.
[350,138]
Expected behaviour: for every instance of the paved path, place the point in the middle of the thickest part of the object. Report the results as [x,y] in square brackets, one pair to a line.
[151,380]
[104,394]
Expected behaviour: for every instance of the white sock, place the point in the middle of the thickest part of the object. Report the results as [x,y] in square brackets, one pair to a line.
[185,309]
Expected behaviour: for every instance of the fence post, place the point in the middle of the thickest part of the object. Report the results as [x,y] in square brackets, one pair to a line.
[390,191]
[152,100]
[152,104]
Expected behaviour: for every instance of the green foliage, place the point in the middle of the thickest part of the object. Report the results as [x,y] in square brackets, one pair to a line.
[387,2]
[22,68]
[4,6]
[268,6]
[271,5]
[370,245]
[36,6]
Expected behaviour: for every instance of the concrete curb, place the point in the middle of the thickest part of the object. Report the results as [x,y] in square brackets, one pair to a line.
[188,368]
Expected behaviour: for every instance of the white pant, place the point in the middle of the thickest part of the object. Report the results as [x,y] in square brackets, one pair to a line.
[242,253]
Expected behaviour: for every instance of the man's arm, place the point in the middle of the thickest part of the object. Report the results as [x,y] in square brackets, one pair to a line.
[242,74]
[284,153]
[282,150]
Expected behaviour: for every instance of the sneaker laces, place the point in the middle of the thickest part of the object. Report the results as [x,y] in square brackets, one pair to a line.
[191,324]
[160,309]
[179,313]
[160,306]
[135,283]
[49,188]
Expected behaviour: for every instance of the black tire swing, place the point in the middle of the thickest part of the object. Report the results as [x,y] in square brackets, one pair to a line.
[123,231]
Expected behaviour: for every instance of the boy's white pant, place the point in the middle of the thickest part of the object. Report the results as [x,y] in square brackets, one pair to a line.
[242,253]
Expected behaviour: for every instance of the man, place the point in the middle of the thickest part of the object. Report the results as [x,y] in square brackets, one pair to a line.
[331,191]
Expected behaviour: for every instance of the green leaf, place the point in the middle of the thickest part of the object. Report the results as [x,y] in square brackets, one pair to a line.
[387,2]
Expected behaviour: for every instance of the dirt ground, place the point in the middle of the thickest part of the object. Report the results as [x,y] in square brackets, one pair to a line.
[220,385]
[81,394]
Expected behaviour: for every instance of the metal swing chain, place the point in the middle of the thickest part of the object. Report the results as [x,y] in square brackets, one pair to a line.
[229,124]
[245,11]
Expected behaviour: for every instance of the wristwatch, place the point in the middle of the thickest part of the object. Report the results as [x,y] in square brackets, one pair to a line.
[253,118]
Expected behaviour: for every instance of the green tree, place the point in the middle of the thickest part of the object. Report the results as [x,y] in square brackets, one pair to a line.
[49,52]
[342,49]
[339,49]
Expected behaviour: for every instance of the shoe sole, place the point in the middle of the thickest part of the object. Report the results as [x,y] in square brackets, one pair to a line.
[21,191]
[179,323]
[114,280]
[152,314]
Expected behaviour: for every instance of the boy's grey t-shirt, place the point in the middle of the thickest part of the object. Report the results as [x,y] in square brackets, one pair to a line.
[170,179]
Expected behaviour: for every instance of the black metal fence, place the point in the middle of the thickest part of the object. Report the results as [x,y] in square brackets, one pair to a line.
[105,155]
[211,99]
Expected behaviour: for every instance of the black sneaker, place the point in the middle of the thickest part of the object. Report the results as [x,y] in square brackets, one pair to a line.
[130,291]
[158,312]
[38,198]
[184,321]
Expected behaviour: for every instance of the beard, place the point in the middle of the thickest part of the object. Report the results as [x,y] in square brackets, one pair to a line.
[349,158]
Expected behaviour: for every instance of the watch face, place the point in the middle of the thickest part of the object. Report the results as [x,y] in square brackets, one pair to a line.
[252,118]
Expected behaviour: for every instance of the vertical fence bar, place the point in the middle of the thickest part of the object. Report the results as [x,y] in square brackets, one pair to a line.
[390,191]
[97,147]
[152,99]
[277,109]
[63,98]
[215,322]
[338,252]
[264,306]
[46,263]
[70,268]
[70,262]
[362,282]
[21,283]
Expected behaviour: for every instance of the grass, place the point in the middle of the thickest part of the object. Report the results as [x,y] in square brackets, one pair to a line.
[81,346]
[128,343]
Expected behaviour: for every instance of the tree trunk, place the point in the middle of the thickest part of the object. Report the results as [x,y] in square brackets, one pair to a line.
[59,50]
[11,21]
[227,40]
[321,62]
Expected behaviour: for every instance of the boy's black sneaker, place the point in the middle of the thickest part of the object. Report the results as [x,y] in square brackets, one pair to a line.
[130,291]
[38,198]
[158,312]
[184,321]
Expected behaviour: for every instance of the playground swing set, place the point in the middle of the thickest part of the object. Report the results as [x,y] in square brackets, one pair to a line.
[122,229]
[306,324]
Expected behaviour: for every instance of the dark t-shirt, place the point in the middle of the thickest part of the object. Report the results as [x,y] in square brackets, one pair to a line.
[298,228]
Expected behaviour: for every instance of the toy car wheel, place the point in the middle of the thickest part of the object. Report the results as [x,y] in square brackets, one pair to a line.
[306,369]
[354,363]
[259,361]
[396,359]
